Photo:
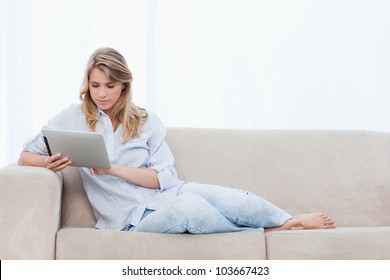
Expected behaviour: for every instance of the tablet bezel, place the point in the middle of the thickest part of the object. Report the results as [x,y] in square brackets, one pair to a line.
[84,149]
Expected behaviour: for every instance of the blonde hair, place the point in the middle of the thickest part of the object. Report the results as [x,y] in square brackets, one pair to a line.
[124,112]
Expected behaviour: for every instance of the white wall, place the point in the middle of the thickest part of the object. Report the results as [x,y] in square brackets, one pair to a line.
[202,63]
[272,64]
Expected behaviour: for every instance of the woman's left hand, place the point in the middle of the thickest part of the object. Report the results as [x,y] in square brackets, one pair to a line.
[98,171]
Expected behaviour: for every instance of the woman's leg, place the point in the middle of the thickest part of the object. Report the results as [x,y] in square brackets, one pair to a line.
[187,212]
[246,209]
[240,207]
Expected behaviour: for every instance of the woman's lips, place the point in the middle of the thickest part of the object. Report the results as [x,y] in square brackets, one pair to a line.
[102,102]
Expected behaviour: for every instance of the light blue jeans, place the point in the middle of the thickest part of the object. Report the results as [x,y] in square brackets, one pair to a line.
[200,208]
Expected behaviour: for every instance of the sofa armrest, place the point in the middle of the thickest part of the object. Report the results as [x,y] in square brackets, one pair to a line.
[30,205]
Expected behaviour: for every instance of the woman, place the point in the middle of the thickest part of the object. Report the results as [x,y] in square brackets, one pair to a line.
[141,192]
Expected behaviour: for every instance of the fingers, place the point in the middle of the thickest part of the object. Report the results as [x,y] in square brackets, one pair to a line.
[62,166]
[98,171]
[56,163]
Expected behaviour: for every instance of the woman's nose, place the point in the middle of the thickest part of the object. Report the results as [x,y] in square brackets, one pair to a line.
[102,93]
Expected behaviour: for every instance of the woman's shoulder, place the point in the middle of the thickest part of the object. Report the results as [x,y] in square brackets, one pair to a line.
[153,122]
[75,107]
[152,116]
[72,108]
[73,111]
[68,117]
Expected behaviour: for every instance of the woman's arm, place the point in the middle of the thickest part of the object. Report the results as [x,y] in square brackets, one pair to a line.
[144,177]
[54,162]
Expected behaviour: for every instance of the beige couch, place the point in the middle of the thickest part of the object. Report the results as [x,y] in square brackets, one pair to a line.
[345,174]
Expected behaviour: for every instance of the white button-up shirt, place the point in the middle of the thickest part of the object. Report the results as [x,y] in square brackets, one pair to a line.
[115,201]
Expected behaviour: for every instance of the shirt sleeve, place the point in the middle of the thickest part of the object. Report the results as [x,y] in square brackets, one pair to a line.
[160,156]
[36,143]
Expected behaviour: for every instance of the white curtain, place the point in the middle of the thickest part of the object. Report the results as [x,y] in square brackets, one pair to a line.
[15,75]
[202,63]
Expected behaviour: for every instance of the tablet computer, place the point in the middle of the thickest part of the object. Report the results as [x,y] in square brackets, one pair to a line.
[84,149]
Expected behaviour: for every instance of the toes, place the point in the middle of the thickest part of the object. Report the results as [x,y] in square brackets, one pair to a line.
[328,221]
[330,225]
[316,220]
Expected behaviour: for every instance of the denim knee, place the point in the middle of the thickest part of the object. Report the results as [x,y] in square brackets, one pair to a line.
[190,208]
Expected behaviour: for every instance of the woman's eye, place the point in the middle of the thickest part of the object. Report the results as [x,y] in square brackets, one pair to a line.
[94,86]
[110,86]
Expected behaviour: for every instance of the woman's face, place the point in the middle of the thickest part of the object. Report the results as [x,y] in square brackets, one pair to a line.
[104,92]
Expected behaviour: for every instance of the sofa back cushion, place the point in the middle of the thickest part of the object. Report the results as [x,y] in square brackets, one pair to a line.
[345,174]
[76,209]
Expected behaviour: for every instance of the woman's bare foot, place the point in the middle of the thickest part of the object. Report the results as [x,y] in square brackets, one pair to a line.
[306,221]
[292,224]
[316,221]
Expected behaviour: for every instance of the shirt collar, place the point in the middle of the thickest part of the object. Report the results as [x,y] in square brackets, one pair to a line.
[101,112]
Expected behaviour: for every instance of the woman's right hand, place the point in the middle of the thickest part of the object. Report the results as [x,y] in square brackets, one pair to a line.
[56,163]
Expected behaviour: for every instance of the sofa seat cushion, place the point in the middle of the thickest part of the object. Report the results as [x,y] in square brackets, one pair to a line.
[356,243]
[87,243]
